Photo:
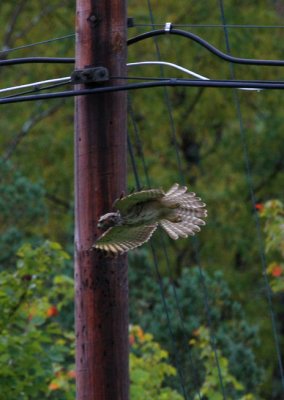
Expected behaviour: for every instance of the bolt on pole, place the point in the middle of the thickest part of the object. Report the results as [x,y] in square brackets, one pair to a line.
[101,283]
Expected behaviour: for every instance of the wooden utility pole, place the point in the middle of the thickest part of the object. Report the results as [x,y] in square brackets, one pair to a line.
[100,177]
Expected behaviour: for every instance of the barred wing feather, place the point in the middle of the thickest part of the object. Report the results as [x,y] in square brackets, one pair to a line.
[120,239]
[187,214]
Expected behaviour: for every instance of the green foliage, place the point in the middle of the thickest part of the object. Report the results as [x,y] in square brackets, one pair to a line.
[38,139]
[22,208]
[211,387]
[273,214]
[148,368]
[33,344]
[235,336]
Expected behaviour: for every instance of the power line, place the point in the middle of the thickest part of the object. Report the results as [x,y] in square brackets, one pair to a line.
[234,26]
[37,60]
[205,44]
[67,79]
[160,281]
[252,195]
[10,50]
[36,85]
[72,35]
[274,85]
[168,30]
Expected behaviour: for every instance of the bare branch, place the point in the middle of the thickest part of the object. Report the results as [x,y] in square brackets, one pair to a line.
[7,41]
[58,201]
[27,126]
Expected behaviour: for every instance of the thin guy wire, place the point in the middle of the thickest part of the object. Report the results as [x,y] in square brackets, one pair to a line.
[161,286]
[253,200]
[212,339]
[173,128]
[133,163]
[196,377]
[213,26]
[10,50]
[177,151]
[146,35]
[72,35]
[167,312]
[208,316]
[138,140]
[167,98]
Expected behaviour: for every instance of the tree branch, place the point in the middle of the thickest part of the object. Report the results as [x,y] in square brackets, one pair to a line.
[27,126]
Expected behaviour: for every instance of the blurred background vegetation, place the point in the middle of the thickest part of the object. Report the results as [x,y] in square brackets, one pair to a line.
[209,297]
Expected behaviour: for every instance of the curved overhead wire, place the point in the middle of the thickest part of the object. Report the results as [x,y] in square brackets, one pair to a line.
[180,68]
[67,79]
[207,45]
[154,33]
[176,66]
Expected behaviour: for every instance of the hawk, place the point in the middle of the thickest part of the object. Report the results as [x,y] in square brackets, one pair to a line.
[139,214]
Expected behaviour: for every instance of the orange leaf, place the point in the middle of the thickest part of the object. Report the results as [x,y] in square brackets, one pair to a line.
[52,311]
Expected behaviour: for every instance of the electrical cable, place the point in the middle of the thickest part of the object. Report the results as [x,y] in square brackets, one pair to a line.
[205,44]
[165,92]
[67,79]
[253,201]
[36,90]
[196,377]
[182,179]
[211,26]
[161,285]
[154,33]
[176,66]
[145,85]
[37,60]
[10,50]
[37,85]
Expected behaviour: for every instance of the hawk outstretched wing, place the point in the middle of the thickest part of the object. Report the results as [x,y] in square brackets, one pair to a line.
[120,239]
[179,212]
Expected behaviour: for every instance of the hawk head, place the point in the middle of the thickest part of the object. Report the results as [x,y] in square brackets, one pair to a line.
[110,219]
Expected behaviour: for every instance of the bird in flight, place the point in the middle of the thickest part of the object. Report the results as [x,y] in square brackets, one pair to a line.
[179,212]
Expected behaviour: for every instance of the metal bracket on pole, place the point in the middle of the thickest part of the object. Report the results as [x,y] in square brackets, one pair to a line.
[90,75]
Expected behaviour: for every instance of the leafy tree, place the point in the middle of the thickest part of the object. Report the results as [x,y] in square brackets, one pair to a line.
[187,311]
[203,129]
[273,214]
[212,388]
[34,345]
[148,368]
[22,206]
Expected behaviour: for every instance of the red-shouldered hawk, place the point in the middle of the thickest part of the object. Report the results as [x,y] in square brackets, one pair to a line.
[139,214]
